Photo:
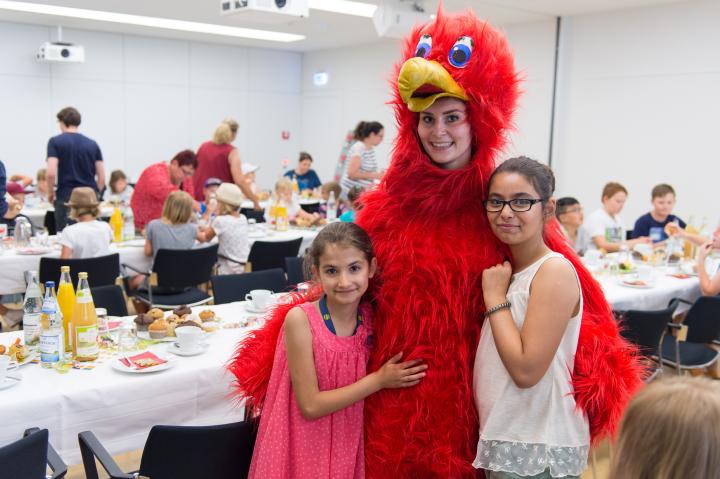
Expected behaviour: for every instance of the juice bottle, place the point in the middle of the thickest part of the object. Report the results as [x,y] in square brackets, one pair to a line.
[117,223]
[51,330]
[281,221]
[66,301]
[84,323]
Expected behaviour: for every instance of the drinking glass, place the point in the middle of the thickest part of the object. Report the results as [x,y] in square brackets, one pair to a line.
[127,337]
[42,238]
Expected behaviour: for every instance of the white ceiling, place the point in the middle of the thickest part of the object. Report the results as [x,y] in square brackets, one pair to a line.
[322,29]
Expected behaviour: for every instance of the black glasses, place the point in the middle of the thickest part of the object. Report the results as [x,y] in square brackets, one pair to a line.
[518,205]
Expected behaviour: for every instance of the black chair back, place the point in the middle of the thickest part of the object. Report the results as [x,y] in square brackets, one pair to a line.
[645,329]
[233,287]
[272,254]
[218,452]
[111,298]
[102,271]
[249,213]
[295,270]
[182,268]
[25,458]
[49,222]
[703,320]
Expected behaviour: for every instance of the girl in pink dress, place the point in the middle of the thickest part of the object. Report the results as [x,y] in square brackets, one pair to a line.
[312,418]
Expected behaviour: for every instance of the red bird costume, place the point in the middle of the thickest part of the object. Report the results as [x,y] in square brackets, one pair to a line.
[433,241]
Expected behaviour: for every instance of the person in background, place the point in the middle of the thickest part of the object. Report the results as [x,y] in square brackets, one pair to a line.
[207,205]
[87,238]
[605,226]
[709,285]
[669,430]
[23,180]
[653,224]
[73,160]
[284,193]
[218,158]
[118,187]
[41,186]
[353,196]
[231,229]
[250,172]
[157,181]
[569,214]
[306,177]
[9,208]
[362,168]
[17,193]
[10,310]
[325,189]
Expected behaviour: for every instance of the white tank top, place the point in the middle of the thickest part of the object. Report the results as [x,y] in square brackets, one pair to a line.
[526,431]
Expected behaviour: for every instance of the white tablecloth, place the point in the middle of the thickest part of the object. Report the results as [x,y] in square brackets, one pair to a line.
[120,408]
[12,265]
[622,298]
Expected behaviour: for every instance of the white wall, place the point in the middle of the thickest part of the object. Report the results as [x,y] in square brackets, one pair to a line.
[144,99]
[639,102]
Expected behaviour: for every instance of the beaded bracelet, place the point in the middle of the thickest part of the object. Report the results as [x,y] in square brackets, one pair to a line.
[497,308]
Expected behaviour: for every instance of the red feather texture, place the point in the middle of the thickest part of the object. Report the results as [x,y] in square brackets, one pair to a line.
[433,241]
[252,361]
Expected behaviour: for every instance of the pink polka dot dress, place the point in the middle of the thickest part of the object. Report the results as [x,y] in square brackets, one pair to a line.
[290,446]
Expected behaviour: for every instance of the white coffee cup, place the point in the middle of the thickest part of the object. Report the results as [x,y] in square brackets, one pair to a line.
[188,338]
[644,272]
[260,298]
[5,366]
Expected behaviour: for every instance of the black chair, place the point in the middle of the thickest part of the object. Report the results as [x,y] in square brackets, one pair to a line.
[181,452]
[111,298]
[271,254]
[702,326]
[295,270]
[29,457]
[628,235]
[249,213]
[646,329]
[175,275]
[233,287]
[102,271]
[49,222]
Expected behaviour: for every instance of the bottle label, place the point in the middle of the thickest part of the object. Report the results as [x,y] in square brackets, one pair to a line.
[50,346]
[31,328]
[86,340]
[83,296]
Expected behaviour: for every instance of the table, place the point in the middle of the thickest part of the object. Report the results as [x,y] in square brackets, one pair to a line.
[120,408]
[12,265]
[622,298]
[37,213]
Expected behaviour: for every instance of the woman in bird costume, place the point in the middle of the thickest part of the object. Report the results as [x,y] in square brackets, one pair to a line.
[432,242]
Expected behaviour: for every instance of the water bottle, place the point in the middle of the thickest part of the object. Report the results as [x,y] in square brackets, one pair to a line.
[331,208]
[128,224]
[32,308]
[51,334]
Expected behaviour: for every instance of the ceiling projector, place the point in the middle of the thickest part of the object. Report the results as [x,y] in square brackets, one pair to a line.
[295,8]
[61,52]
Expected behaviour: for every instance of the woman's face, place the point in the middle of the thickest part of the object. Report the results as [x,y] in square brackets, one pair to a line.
[615,203]
[513,227]
[376,138]
[120,185]
[303,166]
[445,133]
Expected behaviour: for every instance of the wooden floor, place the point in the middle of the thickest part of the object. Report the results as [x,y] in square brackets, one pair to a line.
[131,461]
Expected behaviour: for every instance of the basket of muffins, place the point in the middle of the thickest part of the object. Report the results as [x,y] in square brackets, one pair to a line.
[159,326]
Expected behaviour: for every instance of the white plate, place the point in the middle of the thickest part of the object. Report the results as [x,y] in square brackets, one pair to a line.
[10,381]
[146,336]
[28,359]
[31,250]
[251,309]
[175,349]
[118,366]
[647,285]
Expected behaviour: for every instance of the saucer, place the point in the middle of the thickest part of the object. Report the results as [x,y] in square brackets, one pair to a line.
[10,381]
[252,309]
[175,349]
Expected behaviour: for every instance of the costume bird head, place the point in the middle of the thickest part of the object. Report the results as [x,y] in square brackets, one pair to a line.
[457,56]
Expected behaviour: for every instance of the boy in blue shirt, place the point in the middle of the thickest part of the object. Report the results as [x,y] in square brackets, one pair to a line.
[653,224]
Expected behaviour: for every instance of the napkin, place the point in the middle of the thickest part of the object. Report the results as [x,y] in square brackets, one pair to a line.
[142,361]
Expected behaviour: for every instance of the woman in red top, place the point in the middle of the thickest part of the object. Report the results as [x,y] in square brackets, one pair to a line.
[157,181]
[220,159]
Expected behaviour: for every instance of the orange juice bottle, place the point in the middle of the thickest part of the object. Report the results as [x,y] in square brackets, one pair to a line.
[281,221]
[66,301]
[117,223]
[84,323]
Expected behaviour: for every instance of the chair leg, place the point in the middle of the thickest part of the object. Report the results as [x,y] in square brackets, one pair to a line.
[677,358]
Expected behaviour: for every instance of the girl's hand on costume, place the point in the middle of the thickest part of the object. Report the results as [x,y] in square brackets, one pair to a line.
[495,283]
[394,374]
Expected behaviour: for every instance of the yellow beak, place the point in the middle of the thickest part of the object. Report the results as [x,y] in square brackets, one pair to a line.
[421,82]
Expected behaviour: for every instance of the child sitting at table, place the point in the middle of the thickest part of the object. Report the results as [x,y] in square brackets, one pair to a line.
[353,196]
[88,237]
[231,228]
[248,169]
[325,190]
[653,224]
[17,192]
[605,226]
[670,430]
[569,214]
[297,215]
[118,186]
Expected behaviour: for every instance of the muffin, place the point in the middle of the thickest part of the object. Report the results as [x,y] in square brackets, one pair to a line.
[143,321]
[156,313]
[158,329]
[173,318]
[182,310]
[171,329]
[207,315]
